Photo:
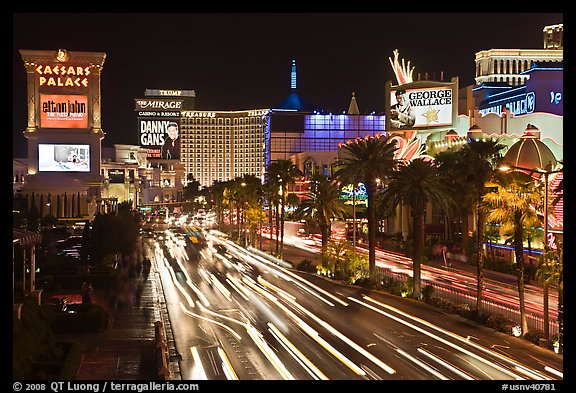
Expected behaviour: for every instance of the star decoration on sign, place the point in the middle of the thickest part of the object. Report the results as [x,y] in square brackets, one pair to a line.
[431,115]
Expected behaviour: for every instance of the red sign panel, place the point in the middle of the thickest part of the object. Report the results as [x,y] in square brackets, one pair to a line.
[63,111]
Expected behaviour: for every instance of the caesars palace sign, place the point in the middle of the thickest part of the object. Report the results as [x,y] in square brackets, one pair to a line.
[63,75]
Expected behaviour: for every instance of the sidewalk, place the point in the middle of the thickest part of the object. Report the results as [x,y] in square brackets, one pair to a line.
[126,349]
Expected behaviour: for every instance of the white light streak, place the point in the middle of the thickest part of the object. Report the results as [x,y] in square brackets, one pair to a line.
[296,354]
[423,365]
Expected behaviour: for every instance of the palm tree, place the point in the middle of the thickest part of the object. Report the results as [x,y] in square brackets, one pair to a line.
[482,159]
[270,195]
[216,192]
[284,173]
[366,160]
[469,168]
[416,184]
[512,206]
[552,270]
[322,203]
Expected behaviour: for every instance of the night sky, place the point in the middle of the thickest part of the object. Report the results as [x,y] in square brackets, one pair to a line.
[242,61]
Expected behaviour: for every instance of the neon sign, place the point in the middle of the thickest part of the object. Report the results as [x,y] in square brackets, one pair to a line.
[357,196]
[63,76]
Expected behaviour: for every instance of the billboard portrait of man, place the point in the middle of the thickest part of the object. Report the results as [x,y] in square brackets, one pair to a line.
[171,147]
[401,113]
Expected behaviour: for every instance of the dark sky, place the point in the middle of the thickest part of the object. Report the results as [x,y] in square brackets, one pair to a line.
[241,61]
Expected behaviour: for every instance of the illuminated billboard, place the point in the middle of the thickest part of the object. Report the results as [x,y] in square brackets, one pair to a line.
[63,158]
[63,111]
[160,137]
[422,104]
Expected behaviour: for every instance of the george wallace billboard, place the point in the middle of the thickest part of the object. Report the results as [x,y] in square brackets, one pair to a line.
[421,105]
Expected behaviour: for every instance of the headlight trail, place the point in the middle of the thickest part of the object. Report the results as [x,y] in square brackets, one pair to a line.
[198,371]
[344,338]
[276,362]
[191,284]
[236,285]
[296,354]
[307,329]
[221,288]
[458,337]
[299,280]
[422,365]
[225,327]
[446,364]
[227,366]
[491,364]
[177,284]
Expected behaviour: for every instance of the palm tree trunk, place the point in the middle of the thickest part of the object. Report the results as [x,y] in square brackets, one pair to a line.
[277,230]
[479,258]
[418,249]
[324,232]
[518,249]
[282,228]
[270,211]
[371,213]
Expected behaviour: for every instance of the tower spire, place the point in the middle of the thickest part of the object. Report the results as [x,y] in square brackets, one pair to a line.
[353,107]
[293,76]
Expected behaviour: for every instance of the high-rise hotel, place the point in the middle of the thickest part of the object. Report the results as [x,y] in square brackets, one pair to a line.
[222,145]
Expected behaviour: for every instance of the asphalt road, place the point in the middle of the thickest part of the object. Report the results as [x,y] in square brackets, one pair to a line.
[241,316]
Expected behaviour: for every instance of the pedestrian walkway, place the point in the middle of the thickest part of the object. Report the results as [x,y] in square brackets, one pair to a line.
[126,349]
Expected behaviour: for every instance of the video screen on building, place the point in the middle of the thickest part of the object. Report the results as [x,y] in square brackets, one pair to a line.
[63,158]
[63,111]
[412,107]
[160,137]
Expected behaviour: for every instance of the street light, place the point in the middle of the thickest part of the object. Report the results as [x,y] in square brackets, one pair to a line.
[545,173]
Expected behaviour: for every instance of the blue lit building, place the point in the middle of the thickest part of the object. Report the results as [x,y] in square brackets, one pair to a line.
[542,92]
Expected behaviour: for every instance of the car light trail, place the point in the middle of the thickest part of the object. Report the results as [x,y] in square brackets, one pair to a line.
[237,286]
[275,288]
[491,364]
[424,365]
[191,285]
[225,327]
[554,371]
[298,280]
[222,316]
[296,354]
[276,362]
[198,371]
[227,366]
[308,330]
[344,338]
[446,364]
[221,288]
[458,337]
[177,284]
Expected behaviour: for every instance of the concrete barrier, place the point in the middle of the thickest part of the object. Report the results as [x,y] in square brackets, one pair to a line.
[161,351]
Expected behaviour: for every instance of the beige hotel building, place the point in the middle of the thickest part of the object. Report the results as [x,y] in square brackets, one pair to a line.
[222,145]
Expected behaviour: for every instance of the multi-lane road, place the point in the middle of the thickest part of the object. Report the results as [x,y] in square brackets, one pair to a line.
[242,315]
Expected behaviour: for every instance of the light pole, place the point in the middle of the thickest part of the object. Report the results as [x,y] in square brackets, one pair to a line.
[545,173]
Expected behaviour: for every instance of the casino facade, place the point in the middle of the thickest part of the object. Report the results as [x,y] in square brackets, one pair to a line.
[70,175]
